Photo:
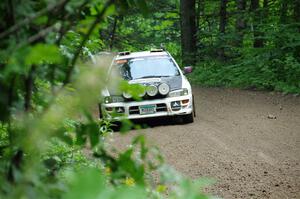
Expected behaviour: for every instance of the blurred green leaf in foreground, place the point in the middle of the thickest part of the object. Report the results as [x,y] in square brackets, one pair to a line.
[51,77]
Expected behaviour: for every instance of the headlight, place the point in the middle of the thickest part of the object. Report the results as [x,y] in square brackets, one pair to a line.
[127,95]
[151,90]
[185,91]
[163,88]
[142,94]
[179,93]
[113,99]
[107,100]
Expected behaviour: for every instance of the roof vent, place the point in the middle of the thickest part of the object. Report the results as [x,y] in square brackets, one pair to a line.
[124,53]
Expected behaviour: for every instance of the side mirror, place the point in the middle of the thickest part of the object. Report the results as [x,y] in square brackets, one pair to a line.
[187,69]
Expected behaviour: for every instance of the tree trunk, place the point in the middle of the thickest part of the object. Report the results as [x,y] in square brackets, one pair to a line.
[7,89]
[222,28]
[297,13]
[266,7]
[199,18]
[240,22]
[188,31]
[297,20]
[283,11]
[15,164]
[29,81]
[112,34]
[258,40]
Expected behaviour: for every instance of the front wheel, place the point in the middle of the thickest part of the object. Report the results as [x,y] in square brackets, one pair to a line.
[187,119]
[100,111]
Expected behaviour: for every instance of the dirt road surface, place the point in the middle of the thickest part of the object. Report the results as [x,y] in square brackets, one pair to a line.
[236,140]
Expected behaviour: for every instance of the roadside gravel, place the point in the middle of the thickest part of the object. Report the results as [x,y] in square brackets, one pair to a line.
[248,141]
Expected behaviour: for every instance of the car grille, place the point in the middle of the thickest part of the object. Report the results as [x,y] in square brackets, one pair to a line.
[162,107]
[146,97]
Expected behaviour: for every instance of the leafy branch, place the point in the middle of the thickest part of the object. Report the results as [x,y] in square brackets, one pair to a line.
[84,40]
[29,19]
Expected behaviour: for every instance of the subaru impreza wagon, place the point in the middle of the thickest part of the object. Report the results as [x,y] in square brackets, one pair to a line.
[167,90]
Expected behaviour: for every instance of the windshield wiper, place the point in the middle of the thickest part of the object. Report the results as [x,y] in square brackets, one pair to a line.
[152,76]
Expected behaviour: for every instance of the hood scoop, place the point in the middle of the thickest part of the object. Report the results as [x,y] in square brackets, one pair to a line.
[145,81]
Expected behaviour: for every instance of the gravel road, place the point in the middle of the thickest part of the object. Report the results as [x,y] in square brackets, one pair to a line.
[236,140]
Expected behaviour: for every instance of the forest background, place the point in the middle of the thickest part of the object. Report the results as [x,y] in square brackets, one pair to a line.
[44,51]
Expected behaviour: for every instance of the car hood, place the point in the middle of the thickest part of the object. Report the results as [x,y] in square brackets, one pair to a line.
[175,83]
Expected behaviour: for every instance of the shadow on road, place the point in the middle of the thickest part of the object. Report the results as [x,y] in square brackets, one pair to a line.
[150,123]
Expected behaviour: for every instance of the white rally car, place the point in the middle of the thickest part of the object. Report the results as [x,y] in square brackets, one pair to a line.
[167,93]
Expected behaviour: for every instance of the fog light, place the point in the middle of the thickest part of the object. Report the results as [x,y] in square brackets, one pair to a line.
[127,95]
[163,88]
[119,109]
[185,101]
[109,109]
[151,90]
[107,100]
[175,105]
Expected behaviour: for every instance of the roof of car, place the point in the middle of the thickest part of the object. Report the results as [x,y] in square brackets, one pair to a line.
[142,54]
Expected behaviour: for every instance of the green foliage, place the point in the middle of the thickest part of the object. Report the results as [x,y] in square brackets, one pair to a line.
[42,54]
[42,95]
[133,89]
[92,184]
[3,136]
[51,145]
[135,32]
[268,69]
[272,66]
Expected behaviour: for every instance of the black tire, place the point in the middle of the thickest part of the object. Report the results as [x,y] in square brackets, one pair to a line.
[100,111]
[187,119]
[194,107]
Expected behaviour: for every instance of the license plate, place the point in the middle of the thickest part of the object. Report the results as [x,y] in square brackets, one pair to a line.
[147,109]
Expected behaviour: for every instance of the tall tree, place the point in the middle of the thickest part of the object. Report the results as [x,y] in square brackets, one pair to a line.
[112,33]
[240,23]
[258,41]
[188,31]
[200,4]
[283,11]
[297,20]
[222,27]
[297,13]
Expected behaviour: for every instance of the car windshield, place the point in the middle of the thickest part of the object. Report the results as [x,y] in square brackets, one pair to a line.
[147,67]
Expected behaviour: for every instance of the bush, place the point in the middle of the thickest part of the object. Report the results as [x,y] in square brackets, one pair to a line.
[261,71]
[60,151]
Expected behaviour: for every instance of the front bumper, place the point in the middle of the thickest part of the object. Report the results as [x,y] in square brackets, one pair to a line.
[163,108]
